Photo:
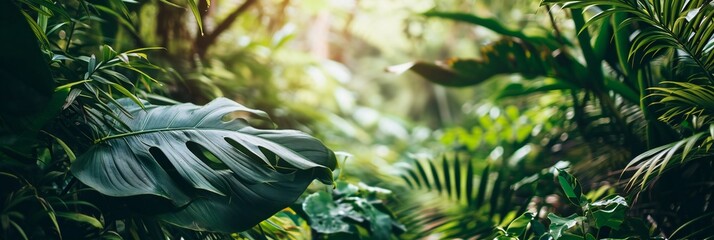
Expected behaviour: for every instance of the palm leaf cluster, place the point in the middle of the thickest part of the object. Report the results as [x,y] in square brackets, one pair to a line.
[479,196]
[547,63]
[488,180]
[643,95]
[680,34]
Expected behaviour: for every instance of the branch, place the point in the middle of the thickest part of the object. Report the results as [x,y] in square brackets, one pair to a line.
[203,42]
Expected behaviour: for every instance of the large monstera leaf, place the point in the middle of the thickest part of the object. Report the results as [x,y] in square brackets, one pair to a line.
[220,174]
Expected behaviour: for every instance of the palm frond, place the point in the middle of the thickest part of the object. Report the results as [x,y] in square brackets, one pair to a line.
[478,194]
[656,160]
[678,25]
[682,102]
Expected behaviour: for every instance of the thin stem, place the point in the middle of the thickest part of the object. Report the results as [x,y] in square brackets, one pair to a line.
[71,33]
[71,183]
[643,86]
[558,34]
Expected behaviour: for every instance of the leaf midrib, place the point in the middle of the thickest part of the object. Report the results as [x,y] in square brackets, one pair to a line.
[148,131]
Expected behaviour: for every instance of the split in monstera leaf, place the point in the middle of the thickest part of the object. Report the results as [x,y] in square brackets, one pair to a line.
[218,174]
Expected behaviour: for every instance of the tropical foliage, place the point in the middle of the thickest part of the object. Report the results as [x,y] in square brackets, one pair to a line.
[638,100]
[139,119]
[90,159]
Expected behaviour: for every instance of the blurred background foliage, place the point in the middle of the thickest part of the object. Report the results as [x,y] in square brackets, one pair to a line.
[317,66]
[417,159]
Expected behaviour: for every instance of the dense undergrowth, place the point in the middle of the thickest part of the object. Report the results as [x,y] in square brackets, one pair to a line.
[582,120]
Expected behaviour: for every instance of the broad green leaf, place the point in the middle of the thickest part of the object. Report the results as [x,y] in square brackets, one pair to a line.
[326,216]
[380,224]
[558,225]
[506,56]
[437,73]
[219,174]
[610,212]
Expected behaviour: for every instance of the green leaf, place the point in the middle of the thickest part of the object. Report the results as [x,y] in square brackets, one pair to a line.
[519,226]
[526,88]
[589,236]
[571,187]
[326,216]
[345,189]
[670,25]
[218,174]
[610,212]
[126,93]
[79,217]
[193,5]
[558,225]
[537,227]
[437,73]
[119,17]
[506,56]
[67,150]
[19,229]
[111,236]
[622,89]
[541,36]
[380,224]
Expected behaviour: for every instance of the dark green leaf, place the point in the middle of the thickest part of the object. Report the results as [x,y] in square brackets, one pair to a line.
[571,187]
[166,154]
[497,26]
[519,226]
[506,56]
